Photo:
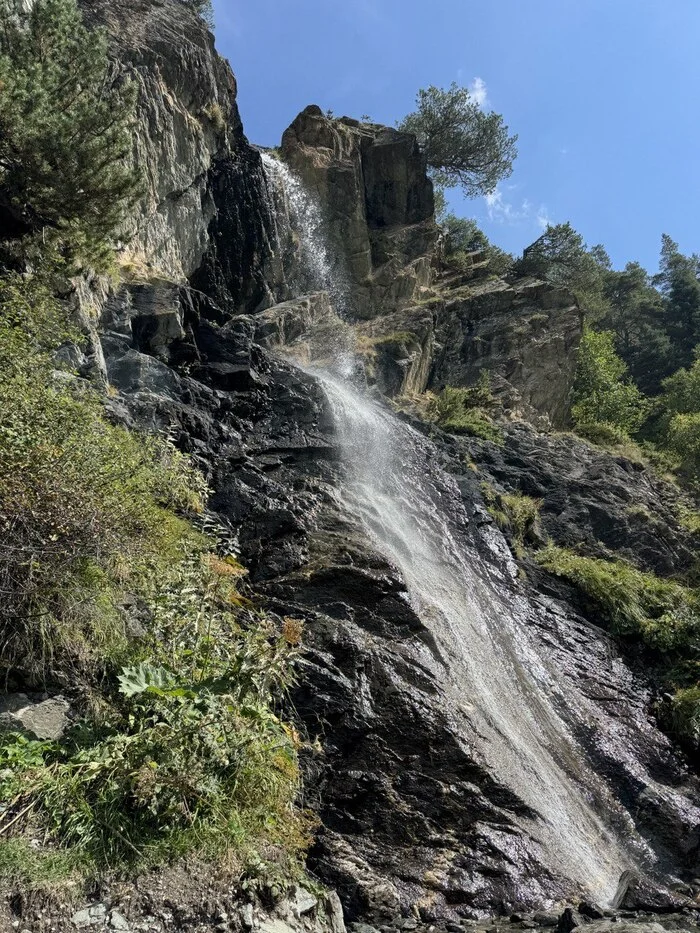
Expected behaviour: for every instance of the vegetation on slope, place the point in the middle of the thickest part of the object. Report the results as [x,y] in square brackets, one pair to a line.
[117,589]
[663,614]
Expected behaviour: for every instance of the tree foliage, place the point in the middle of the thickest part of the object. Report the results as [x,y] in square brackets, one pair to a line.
[65,175]
[464,145]
[679,423]
[462,236]
[635,314]
[562,257]
[603,395]
[204,9]
[679,283]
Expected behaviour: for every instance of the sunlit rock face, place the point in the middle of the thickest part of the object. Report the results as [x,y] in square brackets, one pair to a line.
[205,211]
[371,183]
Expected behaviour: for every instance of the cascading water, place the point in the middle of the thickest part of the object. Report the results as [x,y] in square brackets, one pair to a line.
[496,679]
[299,211]
[508,700]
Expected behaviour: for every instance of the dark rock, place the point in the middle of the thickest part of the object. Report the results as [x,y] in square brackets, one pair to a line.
[591,911]
[637,892]
[568,921]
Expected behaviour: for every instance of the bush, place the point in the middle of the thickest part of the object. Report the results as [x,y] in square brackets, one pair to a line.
[678,419]
[188,754]
[663,613]
[685,716]
[180,746]
[462,410]
[84,505]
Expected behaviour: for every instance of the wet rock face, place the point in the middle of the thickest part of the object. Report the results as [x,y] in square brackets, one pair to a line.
[378,202]
[591,499]
[411,817]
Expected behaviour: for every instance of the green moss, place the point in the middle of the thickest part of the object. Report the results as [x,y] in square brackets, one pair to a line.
[689,519]
[685,715]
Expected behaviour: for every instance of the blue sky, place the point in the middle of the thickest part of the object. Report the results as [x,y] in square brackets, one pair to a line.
[603,94]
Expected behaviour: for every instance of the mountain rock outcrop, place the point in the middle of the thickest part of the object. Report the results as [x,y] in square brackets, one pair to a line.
[378,202]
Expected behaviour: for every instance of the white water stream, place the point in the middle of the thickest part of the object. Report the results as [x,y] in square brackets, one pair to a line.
[502,692]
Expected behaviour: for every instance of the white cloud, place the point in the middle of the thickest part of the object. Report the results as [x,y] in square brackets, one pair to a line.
[543,219]
[479,93]
[503,208]
[504,211]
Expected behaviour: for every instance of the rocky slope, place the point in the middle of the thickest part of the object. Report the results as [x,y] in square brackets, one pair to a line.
[413,822]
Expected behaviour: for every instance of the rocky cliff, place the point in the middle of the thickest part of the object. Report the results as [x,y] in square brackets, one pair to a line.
[413,821]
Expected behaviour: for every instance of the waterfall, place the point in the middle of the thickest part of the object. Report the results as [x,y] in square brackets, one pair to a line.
[313,267]
[500,686]
[509,704]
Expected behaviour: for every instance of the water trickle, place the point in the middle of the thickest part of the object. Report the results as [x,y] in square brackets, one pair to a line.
[301,233]
[507,699]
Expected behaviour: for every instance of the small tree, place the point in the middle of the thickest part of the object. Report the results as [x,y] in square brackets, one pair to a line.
[64,141]
[464,145]
[205,10]
[680,417]
[561,256]
[463,236]
[679,282]
[602,393]
[635,314]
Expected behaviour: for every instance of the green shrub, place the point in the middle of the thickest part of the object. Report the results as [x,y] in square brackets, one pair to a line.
[663,613]
[514,513]
[462,410]
[84,505]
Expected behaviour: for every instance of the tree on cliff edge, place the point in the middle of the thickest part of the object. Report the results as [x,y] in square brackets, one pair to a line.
[464,145]
[65,177]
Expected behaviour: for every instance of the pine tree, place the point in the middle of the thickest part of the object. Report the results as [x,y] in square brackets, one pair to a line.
[65,175]
[464,145]
[636,316]
[562,257]
[679,281]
